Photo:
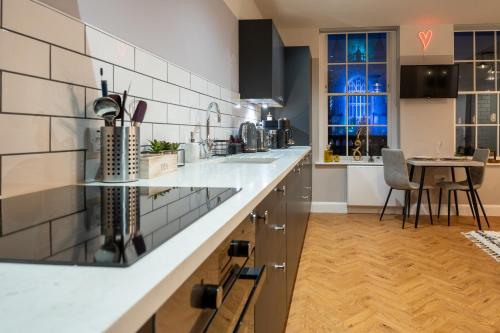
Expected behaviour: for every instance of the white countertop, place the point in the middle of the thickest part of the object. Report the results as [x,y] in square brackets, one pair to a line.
[50,298]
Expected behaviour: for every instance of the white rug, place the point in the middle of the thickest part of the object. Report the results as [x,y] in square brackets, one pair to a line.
[489,241]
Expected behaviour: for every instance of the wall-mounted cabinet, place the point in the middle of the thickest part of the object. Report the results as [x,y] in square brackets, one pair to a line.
[262,63]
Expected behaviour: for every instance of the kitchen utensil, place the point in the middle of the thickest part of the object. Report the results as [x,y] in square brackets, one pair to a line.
[106,108]
[122,109]
[104,85]
[120,154]
[262,139]
[118,100]
[273,139]
[139,113]
[248,135]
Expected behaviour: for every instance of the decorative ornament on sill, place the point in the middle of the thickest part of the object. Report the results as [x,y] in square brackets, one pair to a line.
[356,152]
[425,38]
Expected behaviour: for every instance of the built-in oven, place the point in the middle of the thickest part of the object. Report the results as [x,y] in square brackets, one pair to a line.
[220,295]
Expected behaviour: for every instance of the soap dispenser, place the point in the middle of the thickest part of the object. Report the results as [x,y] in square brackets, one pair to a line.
[192,150]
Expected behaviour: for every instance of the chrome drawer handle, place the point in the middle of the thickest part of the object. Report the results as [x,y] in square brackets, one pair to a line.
[282,189]
[254,217]
[281,267]
[279,227]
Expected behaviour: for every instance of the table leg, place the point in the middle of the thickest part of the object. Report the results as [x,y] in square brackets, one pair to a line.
[420,189]
[473,197]
[454,192]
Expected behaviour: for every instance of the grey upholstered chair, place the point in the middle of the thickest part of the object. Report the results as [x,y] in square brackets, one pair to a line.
[477,177]
[397,178]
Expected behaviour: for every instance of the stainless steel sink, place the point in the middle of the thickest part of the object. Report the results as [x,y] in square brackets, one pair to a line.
[248,159]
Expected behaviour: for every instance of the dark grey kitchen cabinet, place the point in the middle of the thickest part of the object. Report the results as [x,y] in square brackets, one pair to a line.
[298,94]
[298,206]
[262,63]
[270,250]
[281,222]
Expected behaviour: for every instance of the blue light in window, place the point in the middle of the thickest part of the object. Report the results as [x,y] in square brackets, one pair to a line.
[377,110]
[337,110]
[336,79]
[357,47]
[377,47]
[377,78]
[357,110]
[357,79]
[336,48]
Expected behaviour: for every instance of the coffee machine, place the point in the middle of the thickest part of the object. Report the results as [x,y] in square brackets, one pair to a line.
[280,133]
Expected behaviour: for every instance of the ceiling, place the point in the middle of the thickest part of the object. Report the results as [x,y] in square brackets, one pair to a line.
[376,13]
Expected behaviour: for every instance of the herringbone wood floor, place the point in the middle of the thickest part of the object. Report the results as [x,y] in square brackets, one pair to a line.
[357,274]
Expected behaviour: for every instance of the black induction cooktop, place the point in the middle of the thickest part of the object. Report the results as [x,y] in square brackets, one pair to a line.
[99,225]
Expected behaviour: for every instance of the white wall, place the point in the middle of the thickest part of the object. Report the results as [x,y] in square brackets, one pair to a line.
[199,35]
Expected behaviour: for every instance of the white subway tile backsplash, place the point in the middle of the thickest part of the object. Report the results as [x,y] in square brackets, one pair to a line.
[165,92]
[156,112]
[178,114]
[90,96]
[75,68]
[151,65]
[25,94]
[185,133]
[23,134]
[72,133]
[140,85]
[190,98]
[146,133]
[41,22]
[178,76]
[198,84]
[29,173]
[166,132]
[23,55]
[205,101]
[213,90]
[226,94]
[198,117]
[226,121]
[103,46]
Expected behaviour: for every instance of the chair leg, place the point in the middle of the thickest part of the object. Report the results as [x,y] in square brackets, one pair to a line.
[482,208]
[470,205]
[405,208]
[456,203]
[408,205]
[385,205]
[449,206]
[429,203]
[439,205]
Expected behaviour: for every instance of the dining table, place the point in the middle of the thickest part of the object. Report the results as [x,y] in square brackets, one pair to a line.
[445,162]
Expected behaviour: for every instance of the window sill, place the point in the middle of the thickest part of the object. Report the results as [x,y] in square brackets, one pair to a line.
[377,162]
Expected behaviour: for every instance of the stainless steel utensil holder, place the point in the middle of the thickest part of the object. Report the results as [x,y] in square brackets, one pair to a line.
[120,154]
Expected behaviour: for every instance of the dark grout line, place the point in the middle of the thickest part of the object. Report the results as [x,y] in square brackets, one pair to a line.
[42,152]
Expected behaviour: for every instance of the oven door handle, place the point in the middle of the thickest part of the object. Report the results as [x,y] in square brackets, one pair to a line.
[259,275]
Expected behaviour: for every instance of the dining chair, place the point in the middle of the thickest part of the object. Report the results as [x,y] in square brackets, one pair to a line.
[477,177]
[397,178]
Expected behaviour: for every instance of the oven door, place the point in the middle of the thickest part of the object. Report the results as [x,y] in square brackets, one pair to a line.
[235,314]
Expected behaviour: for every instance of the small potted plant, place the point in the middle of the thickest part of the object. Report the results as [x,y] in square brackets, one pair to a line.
[159,158]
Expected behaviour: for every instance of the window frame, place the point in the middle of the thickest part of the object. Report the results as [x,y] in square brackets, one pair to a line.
[391,82]
[476,93]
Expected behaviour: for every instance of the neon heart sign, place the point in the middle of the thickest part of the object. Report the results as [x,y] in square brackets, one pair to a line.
[425,38]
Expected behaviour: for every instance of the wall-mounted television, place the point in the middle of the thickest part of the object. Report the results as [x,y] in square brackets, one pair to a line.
[429,81]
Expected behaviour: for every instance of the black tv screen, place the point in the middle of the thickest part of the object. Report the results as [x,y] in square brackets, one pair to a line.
[429,81]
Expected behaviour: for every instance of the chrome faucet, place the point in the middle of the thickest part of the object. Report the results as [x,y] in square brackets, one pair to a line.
[208,143]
